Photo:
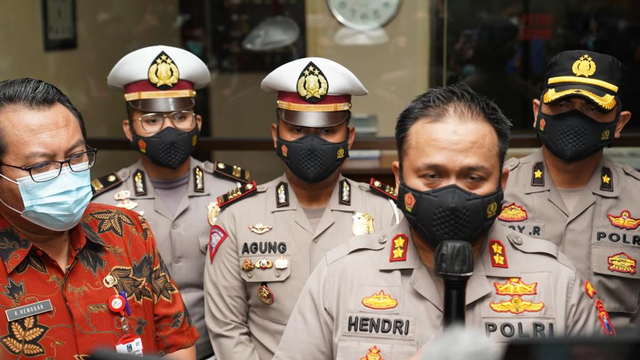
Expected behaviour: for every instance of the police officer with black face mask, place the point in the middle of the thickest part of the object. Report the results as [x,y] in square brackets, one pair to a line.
[570,193]
[268,238]
[175,192]
[379,296]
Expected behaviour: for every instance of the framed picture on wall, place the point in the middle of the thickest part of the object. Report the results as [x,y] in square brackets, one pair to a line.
[59,24]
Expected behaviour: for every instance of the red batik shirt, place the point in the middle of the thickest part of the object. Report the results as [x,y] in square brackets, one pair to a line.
[108,241]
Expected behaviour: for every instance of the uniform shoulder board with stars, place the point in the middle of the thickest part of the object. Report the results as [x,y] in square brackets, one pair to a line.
[383,189]
[231,172]
[102,184]
[236,194]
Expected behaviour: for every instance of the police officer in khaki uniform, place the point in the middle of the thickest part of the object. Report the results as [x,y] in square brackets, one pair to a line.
[570,193]
[378,296]
[265,245]
[175,192]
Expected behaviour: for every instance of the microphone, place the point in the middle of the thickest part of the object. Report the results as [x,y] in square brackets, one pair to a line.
[454,263]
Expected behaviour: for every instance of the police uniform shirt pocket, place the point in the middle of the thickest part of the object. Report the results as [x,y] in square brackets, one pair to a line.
[615,277]
[349,349]
[265,268]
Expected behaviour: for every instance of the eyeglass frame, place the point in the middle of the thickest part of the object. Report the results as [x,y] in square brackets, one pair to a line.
[89,150]
[168,115]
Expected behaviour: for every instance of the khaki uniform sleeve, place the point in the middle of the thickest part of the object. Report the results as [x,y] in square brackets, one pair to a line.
[309,330]
[226,299]
[582,316]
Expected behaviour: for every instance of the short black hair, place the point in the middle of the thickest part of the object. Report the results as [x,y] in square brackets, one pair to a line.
[440,102]
[34,94]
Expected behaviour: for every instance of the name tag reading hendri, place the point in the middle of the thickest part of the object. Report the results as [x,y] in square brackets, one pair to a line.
[24,311]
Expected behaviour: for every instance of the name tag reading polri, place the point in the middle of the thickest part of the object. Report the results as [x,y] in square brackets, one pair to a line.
[24,311]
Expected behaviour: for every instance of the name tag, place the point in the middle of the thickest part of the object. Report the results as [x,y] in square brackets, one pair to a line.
[130,347]
[22,312]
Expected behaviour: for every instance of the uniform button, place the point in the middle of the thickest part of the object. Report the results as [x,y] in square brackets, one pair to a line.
[261,188]
[277,273]
[517,240]
[382,239]
[174,226]
[176,260]
[249,275]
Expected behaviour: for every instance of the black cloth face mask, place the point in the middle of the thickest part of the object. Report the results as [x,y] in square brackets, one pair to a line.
[311,158]
[168,148]
[449,213]
[574,136]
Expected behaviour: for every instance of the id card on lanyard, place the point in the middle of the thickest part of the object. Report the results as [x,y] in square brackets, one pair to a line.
[128,344]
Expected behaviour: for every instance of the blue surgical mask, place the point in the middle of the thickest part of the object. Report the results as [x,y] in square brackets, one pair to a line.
[56,204]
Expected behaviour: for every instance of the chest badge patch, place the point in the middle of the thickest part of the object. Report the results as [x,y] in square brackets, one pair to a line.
[588,288]
[513,213]
[515,288]
[399,248]
[373,354]
[622,263]
[380,301]
[624,220]
[498,254]
[260,228]
[362,224]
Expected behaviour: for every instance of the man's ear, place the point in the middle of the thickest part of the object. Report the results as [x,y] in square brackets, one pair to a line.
[624,118]
[352,136]
[395,167]
[126,127]
[274,135]
[199,122]
[504,177]
[536,108]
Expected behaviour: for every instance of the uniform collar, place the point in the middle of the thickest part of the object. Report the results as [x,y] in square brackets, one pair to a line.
[130,184]
[15,248]
[334,200]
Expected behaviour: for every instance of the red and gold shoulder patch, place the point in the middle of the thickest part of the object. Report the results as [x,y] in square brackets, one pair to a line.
[236,194]
[380,301]
[373,354]
[399,246]
[622,263]
[605,321]
[624,220]
[513,213]
[216,237]
[383,189]
[588,288]
[498,254]
[515,288]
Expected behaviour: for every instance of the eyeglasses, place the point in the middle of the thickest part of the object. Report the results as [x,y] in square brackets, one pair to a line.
[181,120]
[49,170]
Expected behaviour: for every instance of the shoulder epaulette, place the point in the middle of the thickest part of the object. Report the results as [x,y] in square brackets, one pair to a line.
[231,172]
[102,184]
[367,242]
[383,189]
[511,163]
[236,194]
[631,171]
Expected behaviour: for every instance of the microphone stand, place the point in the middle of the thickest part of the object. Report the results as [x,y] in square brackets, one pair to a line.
[454,263]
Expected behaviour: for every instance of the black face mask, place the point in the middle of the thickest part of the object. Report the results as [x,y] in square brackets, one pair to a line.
[311,158]
[169,147]
[574,136]
[449,213]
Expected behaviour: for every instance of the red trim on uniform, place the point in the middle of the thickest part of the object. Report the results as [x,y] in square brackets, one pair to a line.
[223,235]
[403,256]
[294,98]
[245,192]
[605,321]
[380,190]
[145,85]
[494,263]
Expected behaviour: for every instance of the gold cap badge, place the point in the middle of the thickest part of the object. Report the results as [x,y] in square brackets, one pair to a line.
[584,66]
[312,84]
[163,72]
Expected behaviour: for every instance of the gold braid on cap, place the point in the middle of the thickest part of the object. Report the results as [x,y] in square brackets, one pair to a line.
[141,95]
[606,102]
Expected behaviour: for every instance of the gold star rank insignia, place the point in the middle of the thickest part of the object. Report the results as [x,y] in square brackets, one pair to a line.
[399,248]
[606,176]
[498,254]
[537,178]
